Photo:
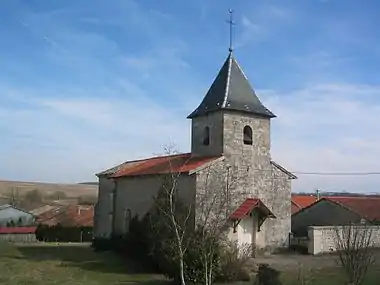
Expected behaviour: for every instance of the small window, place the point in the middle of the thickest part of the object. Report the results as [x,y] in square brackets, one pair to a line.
[247,133]
[206,136]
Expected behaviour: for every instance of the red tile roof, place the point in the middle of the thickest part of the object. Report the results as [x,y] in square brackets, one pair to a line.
[366,207]
[17,230]
[179,163]
[247,206]
[295,208]
[74,215]
[302,201]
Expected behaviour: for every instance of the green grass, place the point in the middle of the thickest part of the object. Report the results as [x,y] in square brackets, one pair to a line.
[65,264]
[74,264]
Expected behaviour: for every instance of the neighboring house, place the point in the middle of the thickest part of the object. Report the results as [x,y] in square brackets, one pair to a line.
[230,138]
[335,211]
[16,216]
[70,215]
[302,201]
[43,209]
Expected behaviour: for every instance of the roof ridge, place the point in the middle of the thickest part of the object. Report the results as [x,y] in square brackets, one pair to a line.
[115,168]
[227,81]
[354,197]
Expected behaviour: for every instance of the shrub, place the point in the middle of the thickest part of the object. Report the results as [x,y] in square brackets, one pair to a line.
[197,265]
[267,275]
[63,234]
[102,244]
[139,244]
[234,261]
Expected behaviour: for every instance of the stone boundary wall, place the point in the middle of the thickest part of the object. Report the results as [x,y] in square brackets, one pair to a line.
[322,239]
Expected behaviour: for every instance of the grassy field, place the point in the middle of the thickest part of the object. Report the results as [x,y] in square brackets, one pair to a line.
[65,265]
[71,190]
[75,264]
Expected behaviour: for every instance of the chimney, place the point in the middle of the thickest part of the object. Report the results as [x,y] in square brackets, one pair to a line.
[318,194]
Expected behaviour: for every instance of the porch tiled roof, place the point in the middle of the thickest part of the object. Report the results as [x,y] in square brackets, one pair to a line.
[248,206]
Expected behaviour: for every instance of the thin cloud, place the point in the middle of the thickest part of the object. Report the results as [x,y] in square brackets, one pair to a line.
[110,93]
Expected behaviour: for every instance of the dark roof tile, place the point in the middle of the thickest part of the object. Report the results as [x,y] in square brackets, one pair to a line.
[231,91]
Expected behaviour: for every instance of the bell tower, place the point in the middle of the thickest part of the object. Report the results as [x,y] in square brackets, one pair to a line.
[230,118]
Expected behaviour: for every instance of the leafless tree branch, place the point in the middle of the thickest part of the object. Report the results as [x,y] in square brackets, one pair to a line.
[355,251]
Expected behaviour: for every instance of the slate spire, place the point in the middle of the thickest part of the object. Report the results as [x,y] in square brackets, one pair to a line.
[231,91]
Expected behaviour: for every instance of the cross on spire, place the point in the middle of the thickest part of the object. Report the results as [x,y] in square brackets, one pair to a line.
[231,23]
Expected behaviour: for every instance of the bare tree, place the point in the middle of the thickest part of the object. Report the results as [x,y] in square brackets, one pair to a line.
[214,202]
[354,247]
[177,219]
[216,197]
[14,197]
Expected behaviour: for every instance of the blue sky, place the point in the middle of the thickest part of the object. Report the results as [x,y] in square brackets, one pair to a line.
[87,84]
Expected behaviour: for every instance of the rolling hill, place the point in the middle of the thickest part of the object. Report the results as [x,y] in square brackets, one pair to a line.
[71,190]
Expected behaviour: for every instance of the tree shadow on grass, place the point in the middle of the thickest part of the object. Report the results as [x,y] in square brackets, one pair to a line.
[85,258]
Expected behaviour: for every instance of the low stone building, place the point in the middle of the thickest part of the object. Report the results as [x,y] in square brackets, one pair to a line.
[230,156]
[336,211]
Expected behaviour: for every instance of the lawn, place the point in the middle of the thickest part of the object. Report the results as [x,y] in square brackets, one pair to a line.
[66,264]
[78,264]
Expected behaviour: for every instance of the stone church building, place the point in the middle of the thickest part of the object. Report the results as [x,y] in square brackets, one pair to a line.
[230,143]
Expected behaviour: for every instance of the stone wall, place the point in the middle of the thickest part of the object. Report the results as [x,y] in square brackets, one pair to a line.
[134,196]
[255,175]
[246,171]
[323,239]
[104,208]
[215,122]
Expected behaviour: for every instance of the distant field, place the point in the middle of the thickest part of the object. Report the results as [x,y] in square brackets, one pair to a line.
[71,190]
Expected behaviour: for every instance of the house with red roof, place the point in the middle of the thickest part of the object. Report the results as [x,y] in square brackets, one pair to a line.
[336,211]
[68,215]
[230,157]
[302,201]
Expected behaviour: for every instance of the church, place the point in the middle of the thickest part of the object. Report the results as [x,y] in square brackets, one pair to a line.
[230,146]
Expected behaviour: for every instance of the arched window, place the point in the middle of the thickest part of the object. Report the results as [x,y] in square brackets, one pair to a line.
[247,135]
[206,136]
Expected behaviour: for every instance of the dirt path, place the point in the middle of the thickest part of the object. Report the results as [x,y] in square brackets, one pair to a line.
[287,261]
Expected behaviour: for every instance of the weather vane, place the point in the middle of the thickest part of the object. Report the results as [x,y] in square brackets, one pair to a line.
[231,22]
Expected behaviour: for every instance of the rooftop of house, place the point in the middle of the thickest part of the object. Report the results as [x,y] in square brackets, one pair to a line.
[302,201]
[6,206]
[366,207]
[177,163]
[17,230]
[77,215]
[232,91]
